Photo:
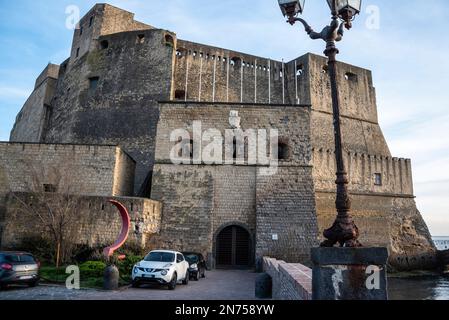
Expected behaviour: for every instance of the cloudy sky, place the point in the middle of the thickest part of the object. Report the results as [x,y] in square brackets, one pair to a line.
[404,42]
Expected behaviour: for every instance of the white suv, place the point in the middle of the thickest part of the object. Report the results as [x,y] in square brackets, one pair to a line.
[161,267]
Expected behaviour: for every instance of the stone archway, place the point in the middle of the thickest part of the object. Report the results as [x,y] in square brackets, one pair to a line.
[234,247]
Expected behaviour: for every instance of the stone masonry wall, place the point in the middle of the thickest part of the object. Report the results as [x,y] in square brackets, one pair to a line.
[102,19]
[32,120]
[396,174]
[199,200]
[286,209]
[97,223]
[122,106]
[74,169]
[290,281]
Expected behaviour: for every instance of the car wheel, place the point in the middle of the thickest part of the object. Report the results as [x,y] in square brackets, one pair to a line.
[196,277]
[186,280]
[135,284]
[173,282]
[33,284]
[3,286]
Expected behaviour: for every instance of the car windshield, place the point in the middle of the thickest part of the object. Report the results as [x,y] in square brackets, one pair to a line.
[191,258]
[17,258]
[160,257]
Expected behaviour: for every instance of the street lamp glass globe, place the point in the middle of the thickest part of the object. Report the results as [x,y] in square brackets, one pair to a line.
[346,9]
[291,8]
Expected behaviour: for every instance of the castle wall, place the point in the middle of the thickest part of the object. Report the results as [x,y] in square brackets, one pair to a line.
[96,223]
[108,93]
[101,20]
[355,85]
[385,213]
[200,200]
[122,107]
[396,174]
[74,169]
[32,120]
[206,73]
[286,208]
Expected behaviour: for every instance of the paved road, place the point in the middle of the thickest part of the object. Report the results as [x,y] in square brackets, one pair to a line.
[219,285]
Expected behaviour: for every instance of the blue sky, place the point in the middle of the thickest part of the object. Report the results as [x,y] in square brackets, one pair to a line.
[407,54]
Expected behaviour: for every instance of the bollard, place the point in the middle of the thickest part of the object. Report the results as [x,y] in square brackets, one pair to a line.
[111,278]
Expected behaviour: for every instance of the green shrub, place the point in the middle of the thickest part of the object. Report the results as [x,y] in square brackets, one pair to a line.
[126,266]
[83,253]
[92,269]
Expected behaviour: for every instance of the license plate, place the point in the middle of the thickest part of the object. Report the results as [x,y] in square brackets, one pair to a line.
[151,276]
[26,278]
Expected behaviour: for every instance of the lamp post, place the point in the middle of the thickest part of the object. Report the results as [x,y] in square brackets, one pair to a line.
[344,231]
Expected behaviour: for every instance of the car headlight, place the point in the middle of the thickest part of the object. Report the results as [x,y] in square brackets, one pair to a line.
[164,272]
[135,269]
[194,266]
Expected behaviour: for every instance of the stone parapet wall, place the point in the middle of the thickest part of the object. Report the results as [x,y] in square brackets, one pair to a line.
[290,281]
[396,174]
[73,169]
[97,221]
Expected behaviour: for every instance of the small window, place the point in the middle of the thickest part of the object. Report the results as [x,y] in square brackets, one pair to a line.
[169,41]
[352,77]
[299,70]
[93,83]
[180,95]
[104,44]
[325,69]
[140,39]
[91,21]
[378,179]
[283,151]
[50,188]
[236,61]
[77,52]
[81,31]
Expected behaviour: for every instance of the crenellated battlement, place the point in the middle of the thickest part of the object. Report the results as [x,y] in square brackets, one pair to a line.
[367,173]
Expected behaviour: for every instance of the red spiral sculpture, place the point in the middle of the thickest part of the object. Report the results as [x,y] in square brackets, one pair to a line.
[126,222]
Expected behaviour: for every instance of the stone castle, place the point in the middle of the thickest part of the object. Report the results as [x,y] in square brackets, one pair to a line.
[109,109]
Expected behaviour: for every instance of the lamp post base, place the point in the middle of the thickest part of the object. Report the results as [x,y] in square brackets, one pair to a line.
[343,232]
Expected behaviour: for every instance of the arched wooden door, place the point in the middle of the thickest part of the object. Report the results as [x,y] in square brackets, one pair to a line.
[233,248]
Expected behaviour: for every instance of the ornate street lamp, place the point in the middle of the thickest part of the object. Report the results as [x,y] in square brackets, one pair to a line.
[344,231]
[346,9]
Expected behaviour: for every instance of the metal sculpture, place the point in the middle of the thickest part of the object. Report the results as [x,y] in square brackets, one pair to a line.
[126,222]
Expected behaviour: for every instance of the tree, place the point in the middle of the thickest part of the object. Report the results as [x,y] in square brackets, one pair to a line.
[50,199]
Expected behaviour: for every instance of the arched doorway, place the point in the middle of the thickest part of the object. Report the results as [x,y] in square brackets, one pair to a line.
[233,248]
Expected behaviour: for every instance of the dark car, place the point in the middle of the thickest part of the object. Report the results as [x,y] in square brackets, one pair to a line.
[197,265]
[18,268]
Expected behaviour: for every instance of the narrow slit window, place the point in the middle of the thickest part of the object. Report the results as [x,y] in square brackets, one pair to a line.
[140,39]
[378,179]
[50,188]
[104,44]
[93,83]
